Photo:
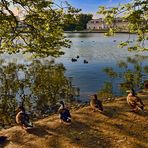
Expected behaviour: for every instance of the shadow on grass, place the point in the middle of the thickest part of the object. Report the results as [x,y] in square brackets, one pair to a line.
[91,130]
[128,131]
[82,135]
[38,130]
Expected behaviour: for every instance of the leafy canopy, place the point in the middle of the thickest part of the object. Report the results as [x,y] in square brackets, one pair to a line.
[136,13]
[38,27]
[80,22]
[40,86]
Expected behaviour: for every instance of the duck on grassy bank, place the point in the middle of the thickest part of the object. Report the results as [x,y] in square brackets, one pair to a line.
[64,114]
[22,118]
[134,101]
[95,103]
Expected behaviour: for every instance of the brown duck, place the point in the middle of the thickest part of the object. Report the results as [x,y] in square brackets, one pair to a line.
[134,101]
[95,103]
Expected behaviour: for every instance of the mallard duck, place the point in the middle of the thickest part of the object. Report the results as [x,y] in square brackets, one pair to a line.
[134,101]
[22,118]
[64,113]
[95,103]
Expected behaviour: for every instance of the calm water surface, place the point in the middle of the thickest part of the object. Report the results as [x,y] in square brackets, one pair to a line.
[100,52]
[40,84]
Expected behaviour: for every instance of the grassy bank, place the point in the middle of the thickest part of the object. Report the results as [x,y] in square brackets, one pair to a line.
[117,127]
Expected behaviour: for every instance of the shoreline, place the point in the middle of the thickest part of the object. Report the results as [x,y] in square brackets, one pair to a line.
[95,32]
[117,126]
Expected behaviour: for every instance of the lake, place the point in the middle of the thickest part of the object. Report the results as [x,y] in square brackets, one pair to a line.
[40,84]
[100,52]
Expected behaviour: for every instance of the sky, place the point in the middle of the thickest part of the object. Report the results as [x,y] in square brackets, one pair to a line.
[91,6]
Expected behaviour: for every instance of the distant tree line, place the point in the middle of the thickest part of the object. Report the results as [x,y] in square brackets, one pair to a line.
[79,23]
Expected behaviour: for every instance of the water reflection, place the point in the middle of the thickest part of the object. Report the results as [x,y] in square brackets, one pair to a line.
[100,52]
[131,74]
[38,86]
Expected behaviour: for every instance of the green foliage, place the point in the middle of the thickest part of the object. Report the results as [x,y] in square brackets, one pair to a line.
[106,91]
[38,86]
[132,78]
[109,71]
[123,44]
[132,60]
[39,31]
[79,23]
[136,14]
[122,64]
[146,69]
[131,75]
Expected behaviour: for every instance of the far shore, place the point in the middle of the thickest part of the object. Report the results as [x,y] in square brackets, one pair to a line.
[95,31]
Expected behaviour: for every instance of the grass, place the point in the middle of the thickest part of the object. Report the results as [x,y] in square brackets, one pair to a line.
[116,127]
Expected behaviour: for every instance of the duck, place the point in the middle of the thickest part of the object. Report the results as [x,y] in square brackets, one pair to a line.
[77,56]
[85,61]
[95,103]
[74,60]
[22,118]
[64,114]
[134,101]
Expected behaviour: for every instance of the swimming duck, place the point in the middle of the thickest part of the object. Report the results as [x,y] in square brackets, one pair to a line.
[85,61]
[134,101]
[64,113]
[95,103]
[74,60]
[23,119]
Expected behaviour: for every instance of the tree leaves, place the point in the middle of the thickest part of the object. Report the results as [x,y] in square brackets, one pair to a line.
[39,31]
[136,14]
[38,86]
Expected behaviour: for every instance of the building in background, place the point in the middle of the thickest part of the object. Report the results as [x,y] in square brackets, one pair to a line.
[99,24]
